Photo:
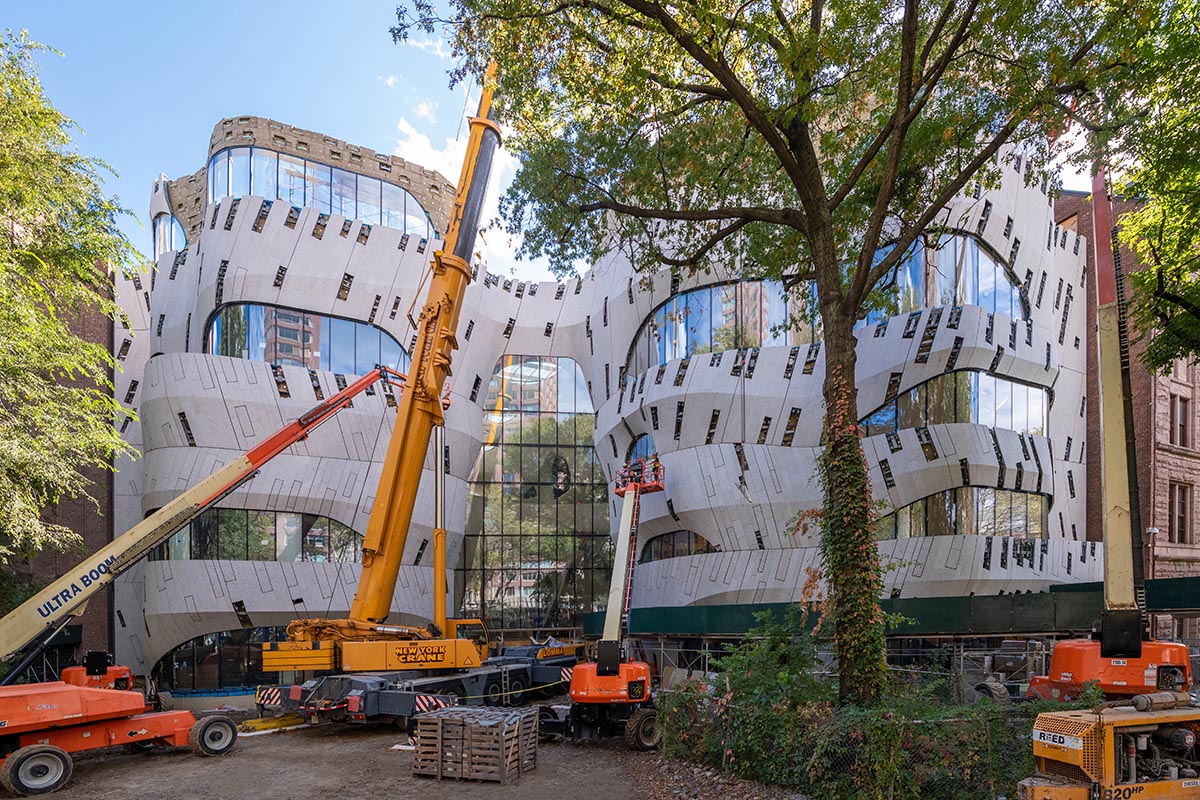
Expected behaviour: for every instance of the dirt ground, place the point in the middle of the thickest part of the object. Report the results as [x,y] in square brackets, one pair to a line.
[336,761]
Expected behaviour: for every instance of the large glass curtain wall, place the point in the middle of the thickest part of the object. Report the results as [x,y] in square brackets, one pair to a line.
[225,660]
[240,171]
[537,551]
[235,534]
[289,337]
[964,396]
[969,510]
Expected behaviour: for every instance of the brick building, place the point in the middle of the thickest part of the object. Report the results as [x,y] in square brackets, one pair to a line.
[93,629]
[1168,449]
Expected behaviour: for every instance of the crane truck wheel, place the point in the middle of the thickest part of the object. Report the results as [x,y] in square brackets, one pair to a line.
[642,731]
[213,736]
[493,695]
[36,769]
[516,692]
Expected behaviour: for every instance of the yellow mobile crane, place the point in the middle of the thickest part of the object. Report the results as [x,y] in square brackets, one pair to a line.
[364,641]
[381,670]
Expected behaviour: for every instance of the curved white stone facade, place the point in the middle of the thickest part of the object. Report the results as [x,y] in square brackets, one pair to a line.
[741,502]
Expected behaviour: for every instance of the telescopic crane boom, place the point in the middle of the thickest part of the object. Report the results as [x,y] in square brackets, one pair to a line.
[1121,657]
[364,641]
[48,611]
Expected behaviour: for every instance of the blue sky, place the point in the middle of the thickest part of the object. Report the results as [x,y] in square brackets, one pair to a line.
[147,81]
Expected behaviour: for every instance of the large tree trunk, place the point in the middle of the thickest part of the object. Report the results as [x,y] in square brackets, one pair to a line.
[851,560]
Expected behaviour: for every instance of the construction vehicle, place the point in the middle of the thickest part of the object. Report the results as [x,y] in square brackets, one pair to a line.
[1121,657]
[1141,747]
[97,705]
[381,671]
[44,723]
[612,696]
[1140,744]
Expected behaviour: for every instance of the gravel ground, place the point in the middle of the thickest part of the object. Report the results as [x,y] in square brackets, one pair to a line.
[342,761]
[659,778]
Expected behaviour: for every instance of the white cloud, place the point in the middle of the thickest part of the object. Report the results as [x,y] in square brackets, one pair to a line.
[389,80]
[426,110]
[497,246]
[437,47]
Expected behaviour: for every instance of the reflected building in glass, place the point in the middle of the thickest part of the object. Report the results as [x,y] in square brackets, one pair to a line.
[287,266]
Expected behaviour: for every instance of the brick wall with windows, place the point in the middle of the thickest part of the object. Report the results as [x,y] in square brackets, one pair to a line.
[1168,462]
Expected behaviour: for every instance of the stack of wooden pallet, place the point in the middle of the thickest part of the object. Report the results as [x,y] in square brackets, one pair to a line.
[483,744]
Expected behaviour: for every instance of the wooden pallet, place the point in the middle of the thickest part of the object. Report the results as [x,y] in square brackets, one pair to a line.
[483,744]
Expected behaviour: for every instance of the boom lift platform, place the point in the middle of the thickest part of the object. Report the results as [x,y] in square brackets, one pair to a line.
[1141,744]
[611,696]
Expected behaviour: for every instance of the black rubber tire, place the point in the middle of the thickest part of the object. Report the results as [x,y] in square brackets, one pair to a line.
[642,731]
[165,701]
[36,769]
[546,713]
[213,736]
[492,693]
[993,692]
[516,689]
[147,746]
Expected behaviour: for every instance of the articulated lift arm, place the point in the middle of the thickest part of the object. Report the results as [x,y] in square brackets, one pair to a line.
[1122,626]
[53,607]
[364,641]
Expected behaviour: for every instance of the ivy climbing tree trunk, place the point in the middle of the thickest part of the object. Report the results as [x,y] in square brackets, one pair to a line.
[848,549]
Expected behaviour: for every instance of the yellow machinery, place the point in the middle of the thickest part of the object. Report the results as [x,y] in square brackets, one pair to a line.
[364,642]
[1140,748]
[1144,746]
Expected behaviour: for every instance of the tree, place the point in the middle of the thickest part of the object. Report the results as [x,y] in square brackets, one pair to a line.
[58,238]
[808,140]
[1164,233]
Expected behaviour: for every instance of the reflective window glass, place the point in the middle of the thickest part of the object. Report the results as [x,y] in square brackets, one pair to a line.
[290,337]
[264,177]
[392,213]
[239,171]
[317,186]
[341,345]
[345,190]
[291,180]
[255,170]
[289,536]
[369,200]
[218,176]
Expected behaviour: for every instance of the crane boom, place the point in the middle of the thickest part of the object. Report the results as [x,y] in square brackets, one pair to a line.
[1121,626]
[362,641]
[55,605]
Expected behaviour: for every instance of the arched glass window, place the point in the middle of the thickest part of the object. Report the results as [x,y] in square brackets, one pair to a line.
[239,171]
[640,448]
[674,545]
[964,396]
[235,534]
[721,317]
[289,337]
[223,660]
[969,510]
[537,552]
